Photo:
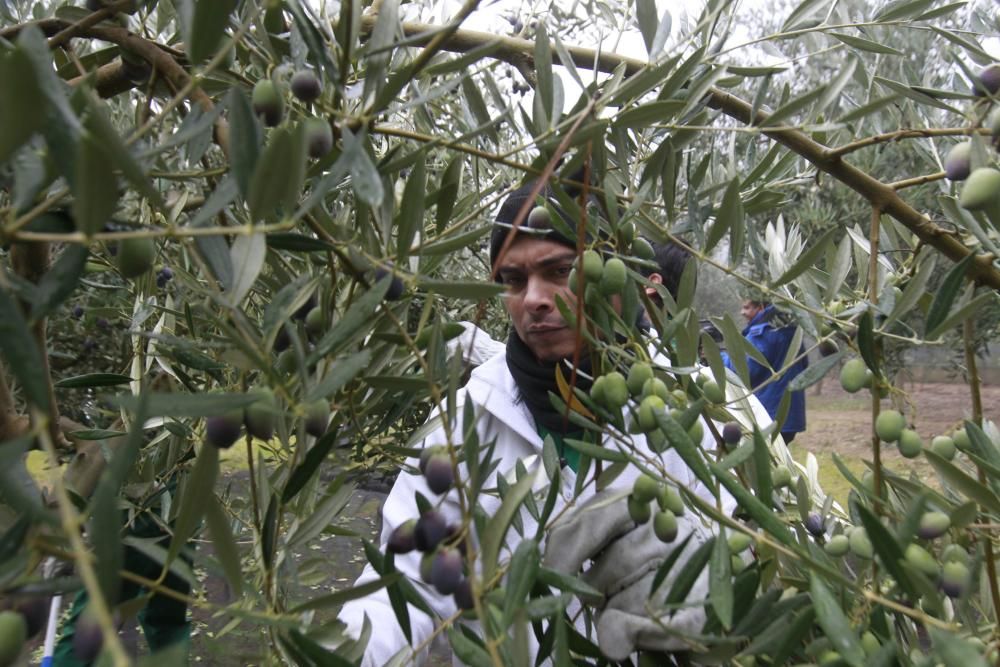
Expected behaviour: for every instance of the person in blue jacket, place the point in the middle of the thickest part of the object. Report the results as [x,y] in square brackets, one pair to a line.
[771,332]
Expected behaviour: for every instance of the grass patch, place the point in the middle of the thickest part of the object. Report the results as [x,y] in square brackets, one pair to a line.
[830,479]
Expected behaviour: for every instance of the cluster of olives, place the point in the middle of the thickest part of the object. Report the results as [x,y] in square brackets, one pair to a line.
[601,276]
[223,431]
[645,489]
[315,323]
[828,657]
[855,376]
[164,276]
[606,277]
[258,417]
[950,569]
[20,620]
[269,105]
[890,426]
[738,543]
[443,561]
[613,390]
[981,188]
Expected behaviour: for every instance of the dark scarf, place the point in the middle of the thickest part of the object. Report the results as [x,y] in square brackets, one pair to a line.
[535,379]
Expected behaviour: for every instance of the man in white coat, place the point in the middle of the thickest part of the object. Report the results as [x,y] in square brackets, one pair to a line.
[510,397]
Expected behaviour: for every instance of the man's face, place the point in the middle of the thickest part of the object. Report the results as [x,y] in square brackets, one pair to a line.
[749,310]
[535,271]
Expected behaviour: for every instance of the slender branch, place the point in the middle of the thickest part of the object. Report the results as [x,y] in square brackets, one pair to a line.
[913,133]
[916,180]
[514,50]
[49,27]
[873,237]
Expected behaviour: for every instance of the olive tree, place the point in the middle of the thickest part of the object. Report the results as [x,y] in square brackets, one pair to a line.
[276,215]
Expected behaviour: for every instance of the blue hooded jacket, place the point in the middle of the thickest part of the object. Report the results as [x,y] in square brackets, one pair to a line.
[773,343]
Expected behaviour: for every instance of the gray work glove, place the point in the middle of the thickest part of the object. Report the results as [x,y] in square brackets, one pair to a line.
[625,559]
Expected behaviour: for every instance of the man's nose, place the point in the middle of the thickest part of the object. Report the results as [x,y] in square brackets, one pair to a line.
[538,295]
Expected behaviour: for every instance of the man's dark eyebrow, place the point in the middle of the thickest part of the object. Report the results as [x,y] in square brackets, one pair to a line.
[557,259]
[545,263]
[510,269]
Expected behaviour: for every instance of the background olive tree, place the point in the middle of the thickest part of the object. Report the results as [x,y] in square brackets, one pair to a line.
[178,238]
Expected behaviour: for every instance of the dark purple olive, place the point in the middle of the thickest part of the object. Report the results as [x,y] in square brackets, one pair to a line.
[933,525]
[988,82]
[463,595]
[426,561]
[426,454]
[259,416]
[267,102]
[732,433]
[402,540]
[35,611]
[167,273]
[319,137]
[958,162]
[430,530]
[439,474]
[317,418]
[395,287]
[446,570]
[88,640]
[815,525]
[77,312]
[103,324]
[223,431]
[282,340]
[451,537]
[306,86]
[955,579]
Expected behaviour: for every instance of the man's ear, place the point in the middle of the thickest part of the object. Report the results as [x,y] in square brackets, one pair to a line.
[656,279]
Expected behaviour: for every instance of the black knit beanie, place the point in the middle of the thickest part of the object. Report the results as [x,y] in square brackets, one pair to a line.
[512,205]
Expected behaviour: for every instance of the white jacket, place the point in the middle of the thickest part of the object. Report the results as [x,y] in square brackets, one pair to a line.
[501,414]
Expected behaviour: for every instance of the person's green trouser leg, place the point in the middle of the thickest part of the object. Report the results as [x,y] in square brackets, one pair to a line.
[163,619]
